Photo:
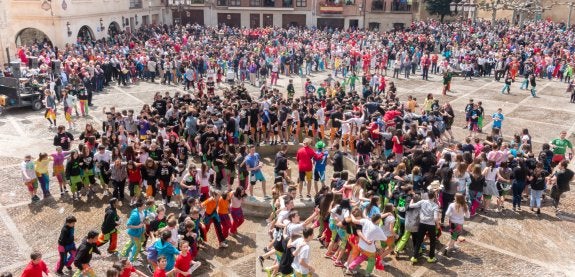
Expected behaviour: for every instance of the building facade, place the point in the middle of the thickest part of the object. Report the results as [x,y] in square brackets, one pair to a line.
[374,14]
[23,22]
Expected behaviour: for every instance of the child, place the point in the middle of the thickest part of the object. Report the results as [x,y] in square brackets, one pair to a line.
[184,262]
[223,210]
[29,177]
[58,159]
[84,255]
[456,213]
[134,181]
[161,270]
[36,267]
[211,216]
[507,85]
[165,249]
[125,268]
[109,231]
[370,233]
[66,245]
[301,261]
[236,209]
[41,167]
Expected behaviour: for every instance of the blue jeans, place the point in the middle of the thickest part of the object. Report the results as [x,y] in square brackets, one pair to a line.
[517,188]
[536,198]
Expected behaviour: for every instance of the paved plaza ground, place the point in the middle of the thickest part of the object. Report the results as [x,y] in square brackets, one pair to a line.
[497,244]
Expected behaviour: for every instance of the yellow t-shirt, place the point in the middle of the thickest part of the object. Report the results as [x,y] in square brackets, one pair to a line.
[42,166]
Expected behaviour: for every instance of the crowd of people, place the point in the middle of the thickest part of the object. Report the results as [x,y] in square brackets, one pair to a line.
[185,151]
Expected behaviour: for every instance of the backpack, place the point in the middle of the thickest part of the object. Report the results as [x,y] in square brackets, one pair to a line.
[286,260]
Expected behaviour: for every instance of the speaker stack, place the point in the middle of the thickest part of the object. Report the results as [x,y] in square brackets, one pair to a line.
[15,67]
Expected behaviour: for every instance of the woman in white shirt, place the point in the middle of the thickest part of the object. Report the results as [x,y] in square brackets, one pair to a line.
[456,213]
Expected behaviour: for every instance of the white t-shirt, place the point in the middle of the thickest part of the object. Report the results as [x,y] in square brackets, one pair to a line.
[205,180]
[372,233]
[388,222]
[303,255]
[339,217]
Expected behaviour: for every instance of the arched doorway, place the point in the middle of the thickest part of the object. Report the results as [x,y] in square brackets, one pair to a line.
[29,36]
[85,34]
[113,29]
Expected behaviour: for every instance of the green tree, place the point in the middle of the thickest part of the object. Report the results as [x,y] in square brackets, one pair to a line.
[439,7]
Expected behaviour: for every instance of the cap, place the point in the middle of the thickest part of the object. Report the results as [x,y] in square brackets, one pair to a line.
[320,144]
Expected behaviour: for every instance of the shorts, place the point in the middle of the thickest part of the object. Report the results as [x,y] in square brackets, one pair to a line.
[557,158]
[319,176]
[58,170]
[257,176]
[305,176]
[32,185]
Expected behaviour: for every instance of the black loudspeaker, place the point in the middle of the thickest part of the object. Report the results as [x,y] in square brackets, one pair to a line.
[15,67]
[32,62]
[56,66]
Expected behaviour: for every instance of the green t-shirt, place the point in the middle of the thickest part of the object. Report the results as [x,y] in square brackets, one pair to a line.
[561,146]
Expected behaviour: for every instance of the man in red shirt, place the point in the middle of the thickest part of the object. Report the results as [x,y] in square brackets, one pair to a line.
[36,267]
[304,156]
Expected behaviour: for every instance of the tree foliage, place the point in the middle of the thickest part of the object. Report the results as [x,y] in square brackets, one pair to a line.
[439,7]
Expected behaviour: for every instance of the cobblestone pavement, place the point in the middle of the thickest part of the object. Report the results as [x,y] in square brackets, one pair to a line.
[498,244]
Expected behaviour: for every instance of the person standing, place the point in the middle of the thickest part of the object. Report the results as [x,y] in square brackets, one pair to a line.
[456,213]
[109,231]
[537,183]
[518,185]
[428,225]
[254,167]
[304,157]
[559,147]
[533,83]
[498,120]
[29,177]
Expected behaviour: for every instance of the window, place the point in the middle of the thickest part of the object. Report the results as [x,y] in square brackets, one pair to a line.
[235,3]
[400,6]
[287,3]
[269,3]
[135,4]
[349,2]
[377,6]
[255,3]
[373,26]
[222,2]
[301,3]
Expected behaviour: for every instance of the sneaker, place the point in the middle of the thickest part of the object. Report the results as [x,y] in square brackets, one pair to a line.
[338,264]
[519,208]
[413,260]
[69,267]
[268,272]
[150,269]
[432,260]
[350,272]
[223,244]
[538,211]
[261,260]
[195,266]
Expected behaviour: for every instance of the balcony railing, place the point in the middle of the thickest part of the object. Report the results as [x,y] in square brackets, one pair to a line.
[195,2]
[397,6]
[331,8]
